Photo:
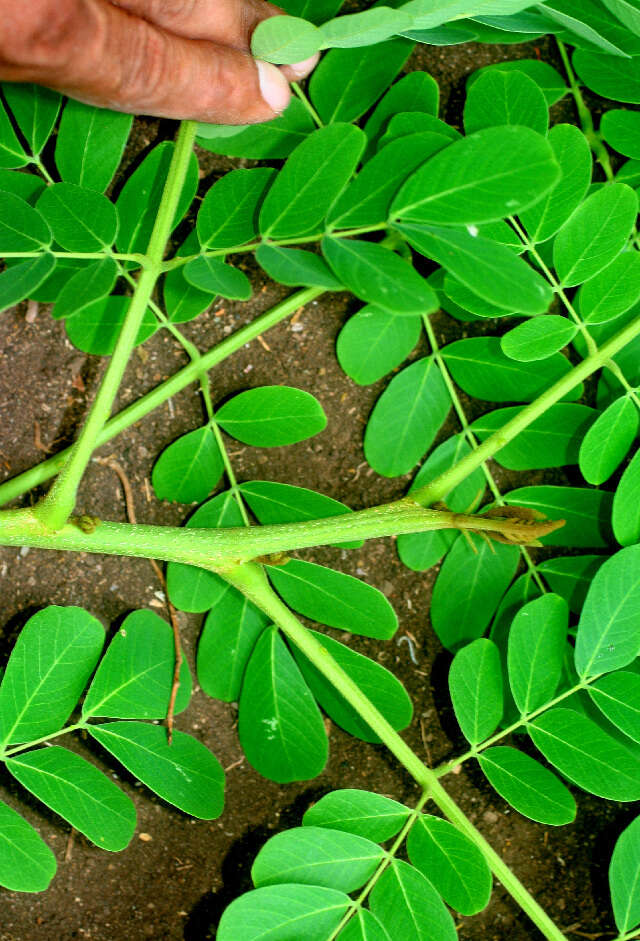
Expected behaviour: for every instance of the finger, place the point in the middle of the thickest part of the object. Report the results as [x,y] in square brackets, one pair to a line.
[108,57]
[230,22]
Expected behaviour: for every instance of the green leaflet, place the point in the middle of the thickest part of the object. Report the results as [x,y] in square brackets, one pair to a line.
[408,906]
[544,75]
[274,139]
[552,440]
[81,220]
[26,862]
[406,418]
[285,40]
[626,505]
[608,635]
[184,773]
[182,300]
[529,787]
[489,175]
[367,199]
[479,366]
[20,281]
[573,154]
[294,266]
[365,29]
[459,617]
[609,76]
[475,684]
[79,792]
[134,678]
[537,642]
[413,122]
[312,178]
[317,11]
[189,468]
[22,228]
[92,283]
[49,666]
[503,98]
[374,341]
[348,81]
[334,599]
[587,755]
[11,151]
[363,927]
[627,12]
[96,328]
[595,233]
[487,268]
[280,726]
[451,862]
[416,92]
[316,856]
[380,686]
[272,416]
[379,276]
[194,589]
[311,912]
[228,637]
[283,503]
[621,130]
[228,214]
[569,14]
[617,696]
[624,875]
[212,276]
[538,338]
[27,186]
[364,813]
[586,513]
[608,440]
[523,590]
[613,290]
[571,577]
[140,197]
[90,144]
[35,109]
[419,551]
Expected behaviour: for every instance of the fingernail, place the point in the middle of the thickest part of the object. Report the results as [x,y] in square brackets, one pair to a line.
[304,68]
[274,87]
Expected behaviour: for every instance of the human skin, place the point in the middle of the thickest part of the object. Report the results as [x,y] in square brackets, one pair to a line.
[183,59]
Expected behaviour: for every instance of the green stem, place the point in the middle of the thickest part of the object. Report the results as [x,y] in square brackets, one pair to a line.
[252,582]
[473,441]
[438,489]
[19,485]
[59,502]
[37,162]
[83,256]
[585,116]
[315,117]
[6,753]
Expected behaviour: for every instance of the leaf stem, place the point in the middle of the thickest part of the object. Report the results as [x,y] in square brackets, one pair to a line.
[585,116]
[6,753]
[17,486]
[252,582]
[59,502]
[317,120]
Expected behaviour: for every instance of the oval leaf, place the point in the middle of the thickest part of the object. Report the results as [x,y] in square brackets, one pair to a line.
[529,787]
[272,416]
[475,684]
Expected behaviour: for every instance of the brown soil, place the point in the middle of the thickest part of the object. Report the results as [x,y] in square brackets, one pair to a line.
[178,874]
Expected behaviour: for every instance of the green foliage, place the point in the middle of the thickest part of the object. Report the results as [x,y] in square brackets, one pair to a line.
[434,230]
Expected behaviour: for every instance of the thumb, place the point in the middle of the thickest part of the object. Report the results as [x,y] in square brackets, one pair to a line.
[113,59]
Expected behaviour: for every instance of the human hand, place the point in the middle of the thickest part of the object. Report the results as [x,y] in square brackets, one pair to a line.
[184,59]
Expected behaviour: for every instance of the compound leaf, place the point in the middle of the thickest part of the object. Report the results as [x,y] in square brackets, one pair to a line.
[316,856]
[285,40]
[228,215]
[189,468]
[90,144]
[212,276]
[505,98]
[280,726]
[375,341]
[453,864]
[529,787]
[272,416]
[334,599]
[294,266]
[364,813]
[537,643]
[84,796]
[184,773]
[278,912]
[85,287]
[408,906]
[475,684]
[538,338]
[53,658]
[96,328]
[80,219]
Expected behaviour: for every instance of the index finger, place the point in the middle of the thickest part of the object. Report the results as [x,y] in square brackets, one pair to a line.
[228,22]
